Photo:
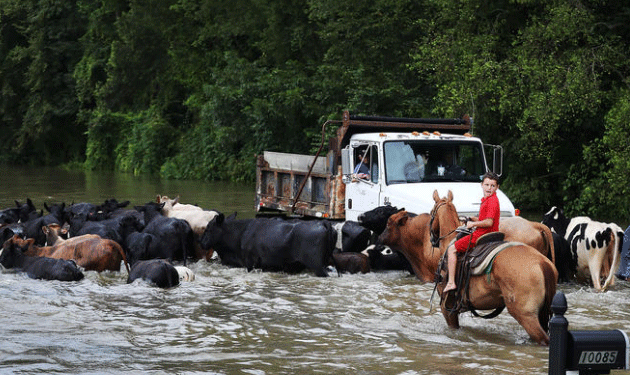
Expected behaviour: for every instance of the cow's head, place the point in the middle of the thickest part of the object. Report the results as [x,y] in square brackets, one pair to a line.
[391,236]
[556,220]
[138,245]
[376,219]
[213,232]
[11,252]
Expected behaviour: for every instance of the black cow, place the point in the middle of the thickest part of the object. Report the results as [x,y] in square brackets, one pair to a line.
[11,256]
[351,236]
[383,258]
[376,219]
[271,244]
[173,238]
[75,209]
[33,227]
[116,229]
[566,263]
[26,211]
[623,272]
[158,272]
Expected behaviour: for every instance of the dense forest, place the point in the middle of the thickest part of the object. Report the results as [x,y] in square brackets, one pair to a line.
[196,88]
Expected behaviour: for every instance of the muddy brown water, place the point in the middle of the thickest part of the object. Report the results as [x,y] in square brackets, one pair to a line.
[230,321]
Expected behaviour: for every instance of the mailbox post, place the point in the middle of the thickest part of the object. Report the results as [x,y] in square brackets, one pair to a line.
[588,352]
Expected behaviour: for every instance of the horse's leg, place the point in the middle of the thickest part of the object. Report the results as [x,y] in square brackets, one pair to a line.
[446,305]
[528,319]
[525,282]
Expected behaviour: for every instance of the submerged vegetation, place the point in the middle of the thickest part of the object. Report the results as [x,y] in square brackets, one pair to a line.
[196,88]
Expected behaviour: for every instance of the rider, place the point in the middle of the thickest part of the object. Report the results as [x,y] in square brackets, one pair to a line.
[488,221]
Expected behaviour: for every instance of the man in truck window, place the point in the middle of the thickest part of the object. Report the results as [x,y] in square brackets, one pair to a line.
[362,169]
[487,222]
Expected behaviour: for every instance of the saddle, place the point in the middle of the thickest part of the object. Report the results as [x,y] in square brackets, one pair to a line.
[473,262]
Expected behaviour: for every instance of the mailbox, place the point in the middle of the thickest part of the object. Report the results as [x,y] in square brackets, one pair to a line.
[588,352]
[597,350]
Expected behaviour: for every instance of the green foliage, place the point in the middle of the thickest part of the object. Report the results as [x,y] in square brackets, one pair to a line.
[103,136]
[145,144]
[197,88]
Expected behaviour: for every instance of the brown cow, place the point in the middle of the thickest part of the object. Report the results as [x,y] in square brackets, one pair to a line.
[90,252]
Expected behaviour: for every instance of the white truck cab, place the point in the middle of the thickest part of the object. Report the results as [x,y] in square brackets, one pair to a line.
[406,168]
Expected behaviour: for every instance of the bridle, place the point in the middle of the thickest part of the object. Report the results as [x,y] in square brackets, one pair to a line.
[436,238]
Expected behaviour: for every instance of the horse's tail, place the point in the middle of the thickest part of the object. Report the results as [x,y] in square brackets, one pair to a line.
[548,239]
[551,279]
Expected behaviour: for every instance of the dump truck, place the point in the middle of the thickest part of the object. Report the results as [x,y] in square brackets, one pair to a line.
[374,161]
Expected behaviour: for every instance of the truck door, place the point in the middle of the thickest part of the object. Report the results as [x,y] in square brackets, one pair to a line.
[363,189]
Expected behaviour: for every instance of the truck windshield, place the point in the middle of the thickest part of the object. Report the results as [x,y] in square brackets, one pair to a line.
[430,161]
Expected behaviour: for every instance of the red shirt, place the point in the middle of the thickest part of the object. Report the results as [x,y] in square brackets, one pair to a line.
[489,209]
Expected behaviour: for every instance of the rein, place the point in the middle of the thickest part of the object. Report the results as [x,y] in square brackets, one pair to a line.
[435,238]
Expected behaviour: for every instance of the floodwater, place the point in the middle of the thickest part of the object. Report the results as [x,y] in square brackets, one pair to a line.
[230,321]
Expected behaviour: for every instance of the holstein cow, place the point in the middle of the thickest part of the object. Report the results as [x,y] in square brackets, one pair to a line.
[271,244]
[12,256]
[196,217]
[624,266]
[596,245]
[157,272]
[90,252]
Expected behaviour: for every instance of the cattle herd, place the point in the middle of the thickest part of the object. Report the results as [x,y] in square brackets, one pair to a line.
[156,241]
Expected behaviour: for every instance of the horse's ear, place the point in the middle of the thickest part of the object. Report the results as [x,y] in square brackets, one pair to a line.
[450,196]
[436,196]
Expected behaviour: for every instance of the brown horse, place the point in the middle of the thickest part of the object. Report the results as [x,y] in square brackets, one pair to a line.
[536,235]
[521,278]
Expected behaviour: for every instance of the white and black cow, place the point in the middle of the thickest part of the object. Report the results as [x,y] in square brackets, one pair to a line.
[11,256]
[271,244]
[383,258]
[624,266]
[595,245]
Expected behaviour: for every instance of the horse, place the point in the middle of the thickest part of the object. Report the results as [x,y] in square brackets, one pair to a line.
[536,235]
[521,278]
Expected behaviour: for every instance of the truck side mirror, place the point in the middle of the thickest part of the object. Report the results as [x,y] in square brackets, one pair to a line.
[346,158]
[497,160]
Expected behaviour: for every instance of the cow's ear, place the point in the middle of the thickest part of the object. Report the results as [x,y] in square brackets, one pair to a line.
[403,220]
[158,198]
[45,229]
[220,218]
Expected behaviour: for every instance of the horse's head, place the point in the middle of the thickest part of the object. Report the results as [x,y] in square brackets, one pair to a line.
[444,219]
